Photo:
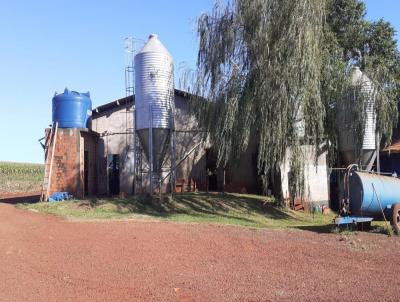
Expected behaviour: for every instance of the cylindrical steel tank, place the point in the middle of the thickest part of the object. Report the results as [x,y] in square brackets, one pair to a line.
[154,98]
[72,109]
[346,126]
[362,197]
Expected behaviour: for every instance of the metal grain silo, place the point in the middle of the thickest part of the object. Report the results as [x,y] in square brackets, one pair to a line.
[72,109]
[154,100]
[346,125]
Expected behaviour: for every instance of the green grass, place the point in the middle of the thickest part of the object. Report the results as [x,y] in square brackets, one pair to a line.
[234,209]
[20,177]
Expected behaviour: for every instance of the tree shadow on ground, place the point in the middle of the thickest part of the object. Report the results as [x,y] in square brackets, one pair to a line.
[320,229]
[198,204]
[331,228]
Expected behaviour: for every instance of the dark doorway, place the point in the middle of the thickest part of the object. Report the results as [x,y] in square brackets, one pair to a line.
[113,174]
[213,181]
[335,179]
[86,173]
[212,171]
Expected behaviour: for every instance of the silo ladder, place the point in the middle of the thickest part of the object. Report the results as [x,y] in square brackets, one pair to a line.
[50,142]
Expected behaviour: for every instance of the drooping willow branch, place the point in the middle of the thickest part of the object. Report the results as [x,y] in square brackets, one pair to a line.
[259,63]
[273,72]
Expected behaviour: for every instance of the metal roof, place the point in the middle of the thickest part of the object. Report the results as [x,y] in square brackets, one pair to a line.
[154,45]
[126,101]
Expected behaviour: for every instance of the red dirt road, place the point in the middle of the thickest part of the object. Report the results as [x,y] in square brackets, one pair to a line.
[46,258]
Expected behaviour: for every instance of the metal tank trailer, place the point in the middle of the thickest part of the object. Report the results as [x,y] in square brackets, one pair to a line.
[368,196]
[154,110]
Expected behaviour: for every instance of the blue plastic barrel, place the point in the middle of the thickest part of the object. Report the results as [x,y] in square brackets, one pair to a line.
[369,194]
[72,109]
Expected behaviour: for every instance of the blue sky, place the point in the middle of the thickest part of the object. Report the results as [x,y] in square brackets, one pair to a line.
[386,9]
[49,45]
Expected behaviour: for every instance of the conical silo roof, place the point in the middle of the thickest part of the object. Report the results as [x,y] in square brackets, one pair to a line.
[154,45]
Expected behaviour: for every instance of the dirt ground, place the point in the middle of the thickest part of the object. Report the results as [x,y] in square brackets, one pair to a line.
[46,258]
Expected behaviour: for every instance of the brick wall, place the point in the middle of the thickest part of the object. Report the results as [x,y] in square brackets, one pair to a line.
[68,164]
[66,169]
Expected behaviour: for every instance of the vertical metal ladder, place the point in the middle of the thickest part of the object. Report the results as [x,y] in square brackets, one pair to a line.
[51,139]
[129,45]
[132,143]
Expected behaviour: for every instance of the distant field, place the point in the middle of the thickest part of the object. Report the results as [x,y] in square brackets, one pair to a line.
[20,177]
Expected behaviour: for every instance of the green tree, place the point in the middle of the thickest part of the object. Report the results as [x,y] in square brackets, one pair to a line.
[275,72]
[346,20]
[259,62]
[382,62]
[374,45]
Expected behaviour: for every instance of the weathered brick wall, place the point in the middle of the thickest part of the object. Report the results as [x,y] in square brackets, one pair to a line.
[69,162]
[66,170]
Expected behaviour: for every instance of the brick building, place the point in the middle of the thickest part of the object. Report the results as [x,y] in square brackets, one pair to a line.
[74,164]
[100,161]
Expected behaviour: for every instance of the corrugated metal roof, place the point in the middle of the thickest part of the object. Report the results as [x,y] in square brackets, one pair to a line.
[126,101]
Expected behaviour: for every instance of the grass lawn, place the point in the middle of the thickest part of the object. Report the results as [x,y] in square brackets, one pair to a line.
[235,209]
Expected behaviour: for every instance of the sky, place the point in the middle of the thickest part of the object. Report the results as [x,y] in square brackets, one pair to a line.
[46,46]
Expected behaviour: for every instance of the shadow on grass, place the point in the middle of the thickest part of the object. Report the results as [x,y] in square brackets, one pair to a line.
[320,229]
[331,228]
[197,204]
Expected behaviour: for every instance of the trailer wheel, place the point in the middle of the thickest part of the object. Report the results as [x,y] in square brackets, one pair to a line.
[395,221]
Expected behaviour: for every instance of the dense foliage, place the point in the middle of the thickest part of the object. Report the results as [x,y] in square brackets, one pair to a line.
[351,40]
[276,72]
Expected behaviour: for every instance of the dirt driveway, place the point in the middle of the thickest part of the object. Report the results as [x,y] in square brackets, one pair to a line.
[46,258]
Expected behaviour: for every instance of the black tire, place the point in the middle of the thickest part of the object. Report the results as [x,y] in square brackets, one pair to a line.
[395,221]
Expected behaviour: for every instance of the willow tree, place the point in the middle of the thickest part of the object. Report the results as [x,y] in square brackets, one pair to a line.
[350,40]
[259,64]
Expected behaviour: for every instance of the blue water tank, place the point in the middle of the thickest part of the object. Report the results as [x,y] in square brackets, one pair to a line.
[72,109]
[369,194]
